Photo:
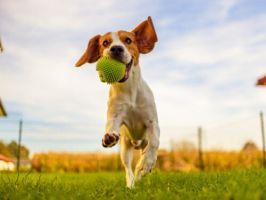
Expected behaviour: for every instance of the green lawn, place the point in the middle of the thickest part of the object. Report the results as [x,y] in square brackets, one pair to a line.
[238,184]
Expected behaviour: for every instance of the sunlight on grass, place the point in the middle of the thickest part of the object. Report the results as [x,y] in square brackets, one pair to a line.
[236,184]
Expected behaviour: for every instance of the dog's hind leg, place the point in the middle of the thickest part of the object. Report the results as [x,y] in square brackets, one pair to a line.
[126,154]
[149,152]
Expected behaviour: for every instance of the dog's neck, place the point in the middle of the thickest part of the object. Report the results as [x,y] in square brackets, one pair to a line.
[130,86]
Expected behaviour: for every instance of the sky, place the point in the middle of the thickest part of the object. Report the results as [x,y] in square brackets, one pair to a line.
[202,71]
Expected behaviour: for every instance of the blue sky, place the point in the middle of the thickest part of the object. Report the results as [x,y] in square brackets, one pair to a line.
[202,71]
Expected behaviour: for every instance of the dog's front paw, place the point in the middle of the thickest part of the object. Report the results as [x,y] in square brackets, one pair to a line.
[110,139]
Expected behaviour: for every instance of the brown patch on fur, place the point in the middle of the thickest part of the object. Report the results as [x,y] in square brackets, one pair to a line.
[145,36]
[95,49]
[108,38]
[143,39]
[132,47]
[92,53]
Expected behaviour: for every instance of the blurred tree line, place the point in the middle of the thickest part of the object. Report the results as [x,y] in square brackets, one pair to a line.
[183,156]
[10,150]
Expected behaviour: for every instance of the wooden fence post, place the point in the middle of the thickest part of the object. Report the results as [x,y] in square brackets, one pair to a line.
[19,144]
[263,140]
[201,161]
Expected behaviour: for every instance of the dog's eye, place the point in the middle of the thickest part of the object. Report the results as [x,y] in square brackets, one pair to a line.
[105,43]
[128,40]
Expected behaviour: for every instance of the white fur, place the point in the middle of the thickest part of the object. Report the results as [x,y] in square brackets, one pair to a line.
[132,113]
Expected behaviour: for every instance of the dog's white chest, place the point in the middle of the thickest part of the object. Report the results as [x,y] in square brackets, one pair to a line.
[135,123]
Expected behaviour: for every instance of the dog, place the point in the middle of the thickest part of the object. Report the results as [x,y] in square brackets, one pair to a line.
[132,115]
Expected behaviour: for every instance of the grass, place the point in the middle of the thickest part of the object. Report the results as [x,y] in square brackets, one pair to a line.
[237,184]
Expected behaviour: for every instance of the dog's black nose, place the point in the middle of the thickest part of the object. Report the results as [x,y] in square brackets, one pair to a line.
[117,49]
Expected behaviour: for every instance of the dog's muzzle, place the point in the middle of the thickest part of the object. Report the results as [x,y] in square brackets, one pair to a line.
[117,52]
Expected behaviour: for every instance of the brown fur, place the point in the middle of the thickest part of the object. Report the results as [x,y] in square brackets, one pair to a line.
[92,53]
[132,47]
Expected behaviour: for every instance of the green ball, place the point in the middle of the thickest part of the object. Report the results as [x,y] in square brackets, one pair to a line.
[110,70]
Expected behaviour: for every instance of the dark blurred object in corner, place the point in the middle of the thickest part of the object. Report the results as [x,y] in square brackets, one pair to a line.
[261,81]
[1,46]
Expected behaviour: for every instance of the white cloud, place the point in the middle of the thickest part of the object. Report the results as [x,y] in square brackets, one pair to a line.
[231,41]
[68,16]
[209,77]
[221,9]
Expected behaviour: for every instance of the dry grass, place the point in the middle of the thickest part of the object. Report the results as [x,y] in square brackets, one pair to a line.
[167,161]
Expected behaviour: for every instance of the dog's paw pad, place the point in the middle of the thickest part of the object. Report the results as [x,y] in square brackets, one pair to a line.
[110,139]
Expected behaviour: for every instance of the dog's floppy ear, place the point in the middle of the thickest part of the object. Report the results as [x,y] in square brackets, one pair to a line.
[92,53]
[145,36]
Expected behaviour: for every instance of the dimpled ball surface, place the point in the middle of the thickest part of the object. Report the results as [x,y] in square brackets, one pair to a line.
[110,70]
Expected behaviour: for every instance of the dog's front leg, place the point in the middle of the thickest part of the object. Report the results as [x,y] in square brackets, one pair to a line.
[149,153]
[114,121]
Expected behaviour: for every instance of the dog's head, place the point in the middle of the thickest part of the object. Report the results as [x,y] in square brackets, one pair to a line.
[121,45]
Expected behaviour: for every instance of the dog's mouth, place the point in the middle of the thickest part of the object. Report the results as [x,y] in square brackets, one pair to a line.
[128,67]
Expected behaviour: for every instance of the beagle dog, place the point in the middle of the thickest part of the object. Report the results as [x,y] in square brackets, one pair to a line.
[131,116]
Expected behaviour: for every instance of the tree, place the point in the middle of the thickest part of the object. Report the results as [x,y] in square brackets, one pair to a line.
[249,146]
[11,149]
[3,149]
